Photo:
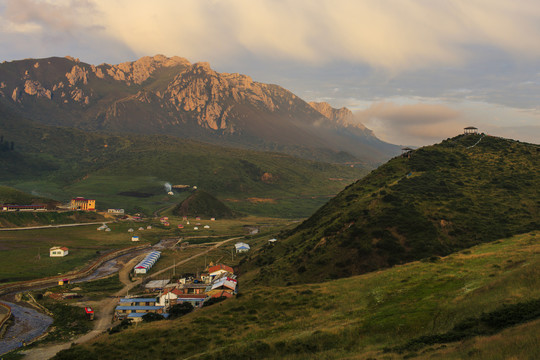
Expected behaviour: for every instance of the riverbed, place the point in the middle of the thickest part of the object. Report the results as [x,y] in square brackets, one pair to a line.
[27,325]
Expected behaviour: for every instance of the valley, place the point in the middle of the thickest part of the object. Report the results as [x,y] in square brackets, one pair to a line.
[198,214]
[452,302]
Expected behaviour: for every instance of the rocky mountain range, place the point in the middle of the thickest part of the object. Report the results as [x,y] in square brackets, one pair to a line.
[161,95]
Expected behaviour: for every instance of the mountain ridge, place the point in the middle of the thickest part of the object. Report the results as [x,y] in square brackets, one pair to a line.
[164,95]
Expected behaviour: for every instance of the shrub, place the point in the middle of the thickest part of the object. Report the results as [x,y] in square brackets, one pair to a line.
[152,317]
[180,310]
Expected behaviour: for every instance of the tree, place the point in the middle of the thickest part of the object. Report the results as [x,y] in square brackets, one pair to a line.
[180,310]
[152,317]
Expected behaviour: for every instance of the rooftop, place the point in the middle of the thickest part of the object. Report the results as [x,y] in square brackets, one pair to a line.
[138,307]
[137,300]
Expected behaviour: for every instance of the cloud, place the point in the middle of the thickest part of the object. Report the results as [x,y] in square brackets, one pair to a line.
[427,123]
[411,124]
[43,28]
[392,35]
[44,16]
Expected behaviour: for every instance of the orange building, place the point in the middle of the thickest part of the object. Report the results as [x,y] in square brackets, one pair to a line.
[80,203]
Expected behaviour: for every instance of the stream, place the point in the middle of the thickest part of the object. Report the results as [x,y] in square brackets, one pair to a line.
[27,325]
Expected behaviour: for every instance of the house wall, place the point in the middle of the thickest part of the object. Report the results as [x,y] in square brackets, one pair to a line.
[58,253]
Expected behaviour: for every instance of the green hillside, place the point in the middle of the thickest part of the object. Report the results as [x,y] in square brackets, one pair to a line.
[129,171]
[203,204]
[443,198]
[481,303]
[9,195]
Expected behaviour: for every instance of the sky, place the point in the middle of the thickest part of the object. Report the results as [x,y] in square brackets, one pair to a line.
[413,71]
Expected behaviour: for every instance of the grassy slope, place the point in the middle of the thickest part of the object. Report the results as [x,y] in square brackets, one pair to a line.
[444,198]
[63,162]
[201,203]
[357,317]
[10,195]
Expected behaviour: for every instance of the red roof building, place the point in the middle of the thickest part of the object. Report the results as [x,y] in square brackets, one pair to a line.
[220,269]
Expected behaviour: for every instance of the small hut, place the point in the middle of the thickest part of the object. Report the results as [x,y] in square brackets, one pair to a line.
[470,130]
[406,152]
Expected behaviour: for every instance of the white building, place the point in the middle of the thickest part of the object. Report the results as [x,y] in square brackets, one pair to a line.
[134,238]
[241,247]
[116,211]
[57,251]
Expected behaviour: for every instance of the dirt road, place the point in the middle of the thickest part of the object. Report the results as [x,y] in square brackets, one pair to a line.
[54,226]
[216,245]
[103,317]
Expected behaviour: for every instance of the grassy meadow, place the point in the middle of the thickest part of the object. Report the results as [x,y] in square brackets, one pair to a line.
[29,249]
[380,315]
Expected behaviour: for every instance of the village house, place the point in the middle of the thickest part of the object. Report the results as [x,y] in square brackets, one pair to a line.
[170,297]
[193,288]
[149,301]
[136,308]
[80,203]
[219,270]
[241,247]
[7,207]
[223,285]
[116,211]
[156,285]
[57,251]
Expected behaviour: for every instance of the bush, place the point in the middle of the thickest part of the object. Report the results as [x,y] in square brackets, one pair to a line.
[152,317]
[180,310]
[213,301]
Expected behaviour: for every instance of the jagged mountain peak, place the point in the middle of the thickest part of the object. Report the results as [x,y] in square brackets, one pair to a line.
[160,94]
[342,116]
[140,70]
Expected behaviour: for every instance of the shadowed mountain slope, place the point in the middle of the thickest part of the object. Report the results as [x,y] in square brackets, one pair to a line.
[130,170]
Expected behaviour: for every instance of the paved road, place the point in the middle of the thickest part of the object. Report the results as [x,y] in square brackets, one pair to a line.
[54,226]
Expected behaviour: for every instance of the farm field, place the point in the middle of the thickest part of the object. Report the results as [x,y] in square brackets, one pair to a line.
[385,314]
